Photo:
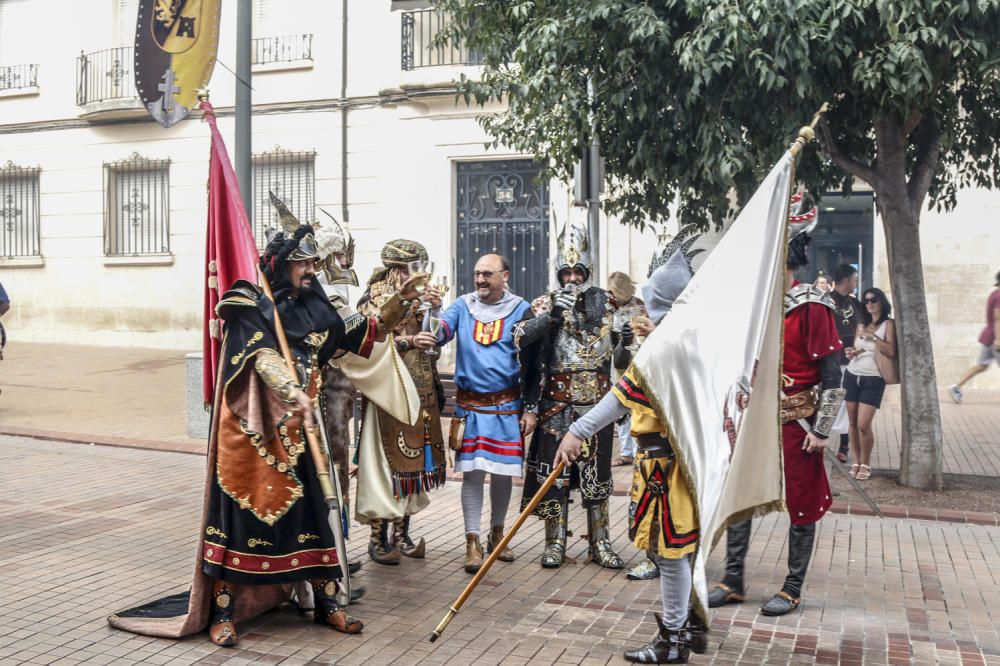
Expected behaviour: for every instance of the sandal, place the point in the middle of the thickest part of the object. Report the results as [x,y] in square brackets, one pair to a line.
[864,472]
[624,461]
[853,473]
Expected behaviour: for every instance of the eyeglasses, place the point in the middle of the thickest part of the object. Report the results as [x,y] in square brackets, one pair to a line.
[485,274]
[871,300]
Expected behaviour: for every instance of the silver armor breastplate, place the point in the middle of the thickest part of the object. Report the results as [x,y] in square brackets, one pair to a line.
[574,352]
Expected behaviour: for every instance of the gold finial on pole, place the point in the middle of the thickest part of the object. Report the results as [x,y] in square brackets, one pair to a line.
[808,132]
[201,94]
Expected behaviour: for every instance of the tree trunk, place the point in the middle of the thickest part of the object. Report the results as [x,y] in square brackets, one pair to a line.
[920,460]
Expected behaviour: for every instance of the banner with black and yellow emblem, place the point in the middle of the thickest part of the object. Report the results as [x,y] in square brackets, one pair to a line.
[175,46]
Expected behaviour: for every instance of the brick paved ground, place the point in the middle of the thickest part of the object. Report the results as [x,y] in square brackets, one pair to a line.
[90,530]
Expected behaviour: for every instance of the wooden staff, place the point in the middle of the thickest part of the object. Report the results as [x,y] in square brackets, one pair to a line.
[319,460]
[497,549]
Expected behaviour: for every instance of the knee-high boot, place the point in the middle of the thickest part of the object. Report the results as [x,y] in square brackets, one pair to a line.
[379,547]
[730,590]
[600,537]
[800,546]
[555,538]
[401,539]
[221,628]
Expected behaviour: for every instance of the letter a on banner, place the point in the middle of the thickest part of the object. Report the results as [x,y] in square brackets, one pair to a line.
[175,46]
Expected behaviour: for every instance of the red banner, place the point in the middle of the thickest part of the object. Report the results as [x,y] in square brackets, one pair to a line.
[230,249]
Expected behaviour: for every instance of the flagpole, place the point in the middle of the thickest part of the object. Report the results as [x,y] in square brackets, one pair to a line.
[244,102]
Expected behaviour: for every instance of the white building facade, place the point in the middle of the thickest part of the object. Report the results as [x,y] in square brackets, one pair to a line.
[102,211]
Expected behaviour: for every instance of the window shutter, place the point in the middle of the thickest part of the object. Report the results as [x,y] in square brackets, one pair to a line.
[128,14]
[16,44]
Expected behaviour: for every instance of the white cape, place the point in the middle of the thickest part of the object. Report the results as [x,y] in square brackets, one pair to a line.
[727,322]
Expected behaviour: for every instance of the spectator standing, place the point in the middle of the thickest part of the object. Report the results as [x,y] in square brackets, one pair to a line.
[865,378]
[822,283]
[4,306]
[989,343]
[623,292]
[848,313]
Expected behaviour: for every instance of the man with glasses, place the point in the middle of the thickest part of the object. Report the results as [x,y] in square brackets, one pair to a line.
[492,413]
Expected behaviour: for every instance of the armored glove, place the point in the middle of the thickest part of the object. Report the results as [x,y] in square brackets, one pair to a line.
[563,300]
[627,335]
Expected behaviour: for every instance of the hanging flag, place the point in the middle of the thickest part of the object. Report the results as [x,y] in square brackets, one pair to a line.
[723,340]
[230,249]
[175,46]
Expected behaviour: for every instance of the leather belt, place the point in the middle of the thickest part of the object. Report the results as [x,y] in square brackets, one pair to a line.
[471,401]
[577,388]
[654,445]
[799,406]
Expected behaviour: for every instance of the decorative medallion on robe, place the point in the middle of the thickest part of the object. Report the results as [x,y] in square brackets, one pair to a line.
[487,333]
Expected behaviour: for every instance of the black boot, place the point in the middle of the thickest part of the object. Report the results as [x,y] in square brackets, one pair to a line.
[697,633]
[730,590]
[668,647]
[328,612]
[221,628]
[555,539]
[800,546]
[601,550]
[379,547]
[401,539]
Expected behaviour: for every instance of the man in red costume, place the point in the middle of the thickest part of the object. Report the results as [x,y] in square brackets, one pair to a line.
[812,397]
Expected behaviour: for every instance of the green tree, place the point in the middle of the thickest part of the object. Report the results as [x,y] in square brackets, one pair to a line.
[696,100]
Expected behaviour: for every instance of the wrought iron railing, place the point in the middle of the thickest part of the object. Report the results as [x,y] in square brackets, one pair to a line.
[136,206]
[419,29]
[105,75]
[292,178]
[15,77]
[19,211]
[284,48]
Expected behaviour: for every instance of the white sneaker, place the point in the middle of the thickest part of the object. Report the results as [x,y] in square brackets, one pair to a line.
[955,393]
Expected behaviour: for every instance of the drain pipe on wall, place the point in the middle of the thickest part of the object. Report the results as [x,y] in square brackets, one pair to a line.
[344,212]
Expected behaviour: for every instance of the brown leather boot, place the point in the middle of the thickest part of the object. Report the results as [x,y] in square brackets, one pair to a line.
[221,628]
[473,553]
[328,612]
[495,536]
[380,548]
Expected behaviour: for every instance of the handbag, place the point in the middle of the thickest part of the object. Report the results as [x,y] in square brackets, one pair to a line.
[888,367]
[456,435]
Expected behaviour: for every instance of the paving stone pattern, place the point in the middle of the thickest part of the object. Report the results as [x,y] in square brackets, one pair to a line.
[91,530]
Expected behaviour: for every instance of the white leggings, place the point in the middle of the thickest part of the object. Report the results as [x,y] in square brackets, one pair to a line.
[675,588]
[472,499]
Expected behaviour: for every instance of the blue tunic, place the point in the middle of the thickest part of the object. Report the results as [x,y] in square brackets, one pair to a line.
[487,363]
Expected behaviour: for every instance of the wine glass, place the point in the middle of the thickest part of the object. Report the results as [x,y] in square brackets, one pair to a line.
[637,316]
[434,327]
[422,268]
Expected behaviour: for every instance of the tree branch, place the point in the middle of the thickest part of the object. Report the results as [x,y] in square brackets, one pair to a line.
[848,164]
[928,140]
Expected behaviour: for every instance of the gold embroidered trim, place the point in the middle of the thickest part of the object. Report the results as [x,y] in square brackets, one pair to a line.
[307,537]
[253,543]
[253,340]
[214,531]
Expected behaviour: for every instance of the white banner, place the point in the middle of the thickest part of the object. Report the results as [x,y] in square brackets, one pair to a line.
[723,338]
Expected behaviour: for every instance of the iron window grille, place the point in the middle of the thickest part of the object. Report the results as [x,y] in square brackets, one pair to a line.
[105,75]
[136,207]
[19,211]
[16,77]
[419,29]
[292,178]
[284,48]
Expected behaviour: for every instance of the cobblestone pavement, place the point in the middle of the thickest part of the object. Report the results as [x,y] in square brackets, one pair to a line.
[91,530]
[135,397]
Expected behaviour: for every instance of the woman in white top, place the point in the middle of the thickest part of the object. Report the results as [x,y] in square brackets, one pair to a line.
[865,386]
